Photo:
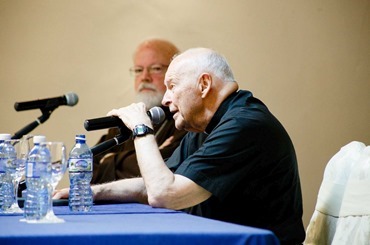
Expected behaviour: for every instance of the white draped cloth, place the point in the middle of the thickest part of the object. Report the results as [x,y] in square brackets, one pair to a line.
[342,212]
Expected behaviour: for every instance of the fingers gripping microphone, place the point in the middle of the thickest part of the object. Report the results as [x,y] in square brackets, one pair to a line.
[69,99]
[156,114]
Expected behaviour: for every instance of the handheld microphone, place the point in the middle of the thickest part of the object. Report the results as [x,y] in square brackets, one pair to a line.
[69,99]
[156,115]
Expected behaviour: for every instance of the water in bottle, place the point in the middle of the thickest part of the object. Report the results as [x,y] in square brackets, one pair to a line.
[38,175]
[80,166]
[7,153]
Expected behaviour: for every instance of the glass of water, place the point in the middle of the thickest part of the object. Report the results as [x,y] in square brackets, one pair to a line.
[58,167]
[16,169]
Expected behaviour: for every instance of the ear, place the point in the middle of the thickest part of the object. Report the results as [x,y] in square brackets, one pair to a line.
[205,83]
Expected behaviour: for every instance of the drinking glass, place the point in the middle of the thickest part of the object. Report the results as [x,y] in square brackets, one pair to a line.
[58,167]
[16,169]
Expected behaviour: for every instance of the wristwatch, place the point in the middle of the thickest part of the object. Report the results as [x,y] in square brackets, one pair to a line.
[141,130]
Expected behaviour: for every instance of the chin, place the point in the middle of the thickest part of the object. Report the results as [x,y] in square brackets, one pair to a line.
[179,125]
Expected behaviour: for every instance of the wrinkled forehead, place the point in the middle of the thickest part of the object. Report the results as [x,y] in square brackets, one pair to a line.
[176,69]
[178,72]
[171,74]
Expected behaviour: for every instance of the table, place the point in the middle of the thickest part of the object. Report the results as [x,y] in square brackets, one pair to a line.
[129,224]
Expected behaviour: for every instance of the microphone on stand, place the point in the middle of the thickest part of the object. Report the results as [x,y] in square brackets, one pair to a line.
[156,115]
[69,99]
[47,106]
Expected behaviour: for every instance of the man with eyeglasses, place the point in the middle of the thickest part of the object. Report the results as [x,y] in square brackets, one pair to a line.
[151,59]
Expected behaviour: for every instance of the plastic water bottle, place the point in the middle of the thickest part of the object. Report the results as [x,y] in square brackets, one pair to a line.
[7,153]
[80,166]
[38,175]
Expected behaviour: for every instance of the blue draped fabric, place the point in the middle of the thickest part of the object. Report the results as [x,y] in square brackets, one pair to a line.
[129,224]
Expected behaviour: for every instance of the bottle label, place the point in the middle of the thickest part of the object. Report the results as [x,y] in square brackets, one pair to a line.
[76,165]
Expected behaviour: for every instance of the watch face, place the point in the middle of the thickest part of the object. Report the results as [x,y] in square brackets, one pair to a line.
[140,130]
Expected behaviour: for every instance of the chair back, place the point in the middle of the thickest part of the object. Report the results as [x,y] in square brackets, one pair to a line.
[342,212]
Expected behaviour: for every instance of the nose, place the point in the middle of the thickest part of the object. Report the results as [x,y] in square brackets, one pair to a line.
[146,76]
[166,99]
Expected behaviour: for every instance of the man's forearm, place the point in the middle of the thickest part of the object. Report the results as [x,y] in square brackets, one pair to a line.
[165,189]
[125,190]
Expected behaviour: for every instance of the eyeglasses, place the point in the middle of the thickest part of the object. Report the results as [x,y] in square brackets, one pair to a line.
[154,69]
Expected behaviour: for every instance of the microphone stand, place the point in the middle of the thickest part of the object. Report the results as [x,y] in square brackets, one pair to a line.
[118,140]
[46,112]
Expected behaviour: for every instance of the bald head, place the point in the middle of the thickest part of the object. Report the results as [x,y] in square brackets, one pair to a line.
[203,60]
[197,82]
[163,47]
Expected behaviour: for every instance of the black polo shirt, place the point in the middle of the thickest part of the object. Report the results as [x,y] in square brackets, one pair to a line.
[247,161]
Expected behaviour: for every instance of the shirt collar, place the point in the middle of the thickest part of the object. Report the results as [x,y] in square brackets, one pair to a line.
[220,112]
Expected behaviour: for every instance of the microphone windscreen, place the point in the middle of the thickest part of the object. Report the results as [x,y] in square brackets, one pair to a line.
[71,99]
[157,115]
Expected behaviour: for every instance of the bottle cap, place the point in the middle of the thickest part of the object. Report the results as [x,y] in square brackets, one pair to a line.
[5,136]
[38,139]
[80,137]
